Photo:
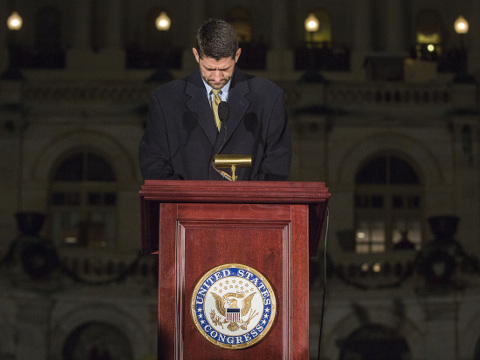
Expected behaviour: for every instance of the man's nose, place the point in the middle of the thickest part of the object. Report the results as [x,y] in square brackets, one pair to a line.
[217,75]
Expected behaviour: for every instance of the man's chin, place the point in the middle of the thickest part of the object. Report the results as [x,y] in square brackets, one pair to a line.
[217,86]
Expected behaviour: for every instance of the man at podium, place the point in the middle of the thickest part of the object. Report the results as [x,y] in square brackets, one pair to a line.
[185,129]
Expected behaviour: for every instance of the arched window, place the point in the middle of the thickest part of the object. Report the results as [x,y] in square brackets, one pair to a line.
[429,35]
[388,205]
[83,202]
[97,340]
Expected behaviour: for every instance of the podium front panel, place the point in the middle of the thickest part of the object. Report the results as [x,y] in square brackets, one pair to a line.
[196,237]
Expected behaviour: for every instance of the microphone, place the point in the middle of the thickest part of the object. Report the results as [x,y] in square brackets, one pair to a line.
[228,161]
[223,110]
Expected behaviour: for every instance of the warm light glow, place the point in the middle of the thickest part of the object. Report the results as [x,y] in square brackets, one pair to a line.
[311,23]
[461,25]
[431,47]
[14,21]
[163,22]
[377,267]
[360,235]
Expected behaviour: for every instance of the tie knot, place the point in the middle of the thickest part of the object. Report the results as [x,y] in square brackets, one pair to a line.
[216,91]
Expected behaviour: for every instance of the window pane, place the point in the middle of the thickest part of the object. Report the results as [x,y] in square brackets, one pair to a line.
[397,202]
[58,199]
[94,199]
[71,169]
[374,173]
[376,248]
[377,202]
[413,202]
[110,199]
[98,169]
[407,233]
[362,249]
[85,223]
[387,187]
[362,233]
[378,231]
[72,199]
[401,172]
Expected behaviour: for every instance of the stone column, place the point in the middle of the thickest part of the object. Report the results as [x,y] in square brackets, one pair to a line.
[114,28]
[467,172]
[81,25]
[279,57]
[3,37]
[395,30]
[113,55]
[32,319]
[81,50]
[197,18]
[441,314]
[472,40]
[111,58]
[362,35]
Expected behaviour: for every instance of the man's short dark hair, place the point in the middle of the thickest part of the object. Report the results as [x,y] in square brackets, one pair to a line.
[217,39]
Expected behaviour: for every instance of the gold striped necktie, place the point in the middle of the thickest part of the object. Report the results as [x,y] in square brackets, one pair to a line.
[216,100]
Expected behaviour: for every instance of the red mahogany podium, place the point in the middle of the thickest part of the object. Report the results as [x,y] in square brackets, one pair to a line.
[205,231]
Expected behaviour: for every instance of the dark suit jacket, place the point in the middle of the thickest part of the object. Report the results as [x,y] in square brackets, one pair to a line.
[181,138]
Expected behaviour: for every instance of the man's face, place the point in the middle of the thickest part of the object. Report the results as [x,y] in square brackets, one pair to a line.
[216,72]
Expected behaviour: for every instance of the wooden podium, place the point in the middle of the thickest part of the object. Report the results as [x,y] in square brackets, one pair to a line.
[196,226]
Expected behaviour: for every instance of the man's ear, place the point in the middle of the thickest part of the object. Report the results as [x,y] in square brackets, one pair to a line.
[195,53]
[237,54]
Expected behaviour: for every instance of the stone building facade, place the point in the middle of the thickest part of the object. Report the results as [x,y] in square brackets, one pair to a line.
[383,106]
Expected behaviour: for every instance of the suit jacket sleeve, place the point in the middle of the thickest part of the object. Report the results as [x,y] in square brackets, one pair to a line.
[277,157]
[154,153]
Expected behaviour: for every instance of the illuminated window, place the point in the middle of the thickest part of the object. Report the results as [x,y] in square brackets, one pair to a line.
[388,199]
[240,19]
[429,35]
[83,202]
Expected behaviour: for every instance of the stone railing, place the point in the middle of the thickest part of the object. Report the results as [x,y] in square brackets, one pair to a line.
[343,97]
[391,94]
[98,268]
[396,269]
[384,98]
[105,91]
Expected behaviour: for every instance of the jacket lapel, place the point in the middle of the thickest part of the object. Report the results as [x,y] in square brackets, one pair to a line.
[237,101]
[199,106]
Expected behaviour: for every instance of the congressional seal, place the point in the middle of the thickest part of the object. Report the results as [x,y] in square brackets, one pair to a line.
[233,306]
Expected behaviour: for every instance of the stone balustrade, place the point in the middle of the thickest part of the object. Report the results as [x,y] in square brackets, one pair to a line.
[100,267]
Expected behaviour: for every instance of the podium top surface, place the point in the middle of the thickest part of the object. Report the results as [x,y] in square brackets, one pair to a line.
[312,194]
[254,192]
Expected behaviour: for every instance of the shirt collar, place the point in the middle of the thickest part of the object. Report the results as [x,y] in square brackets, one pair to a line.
[224,90]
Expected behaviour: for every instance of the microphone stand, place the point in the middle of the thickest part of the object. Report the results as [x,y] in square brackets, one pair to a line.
[228,161]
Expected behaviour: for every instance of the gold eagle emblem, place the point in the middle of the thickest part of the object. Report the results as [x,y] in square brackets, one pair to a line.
[232,302]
